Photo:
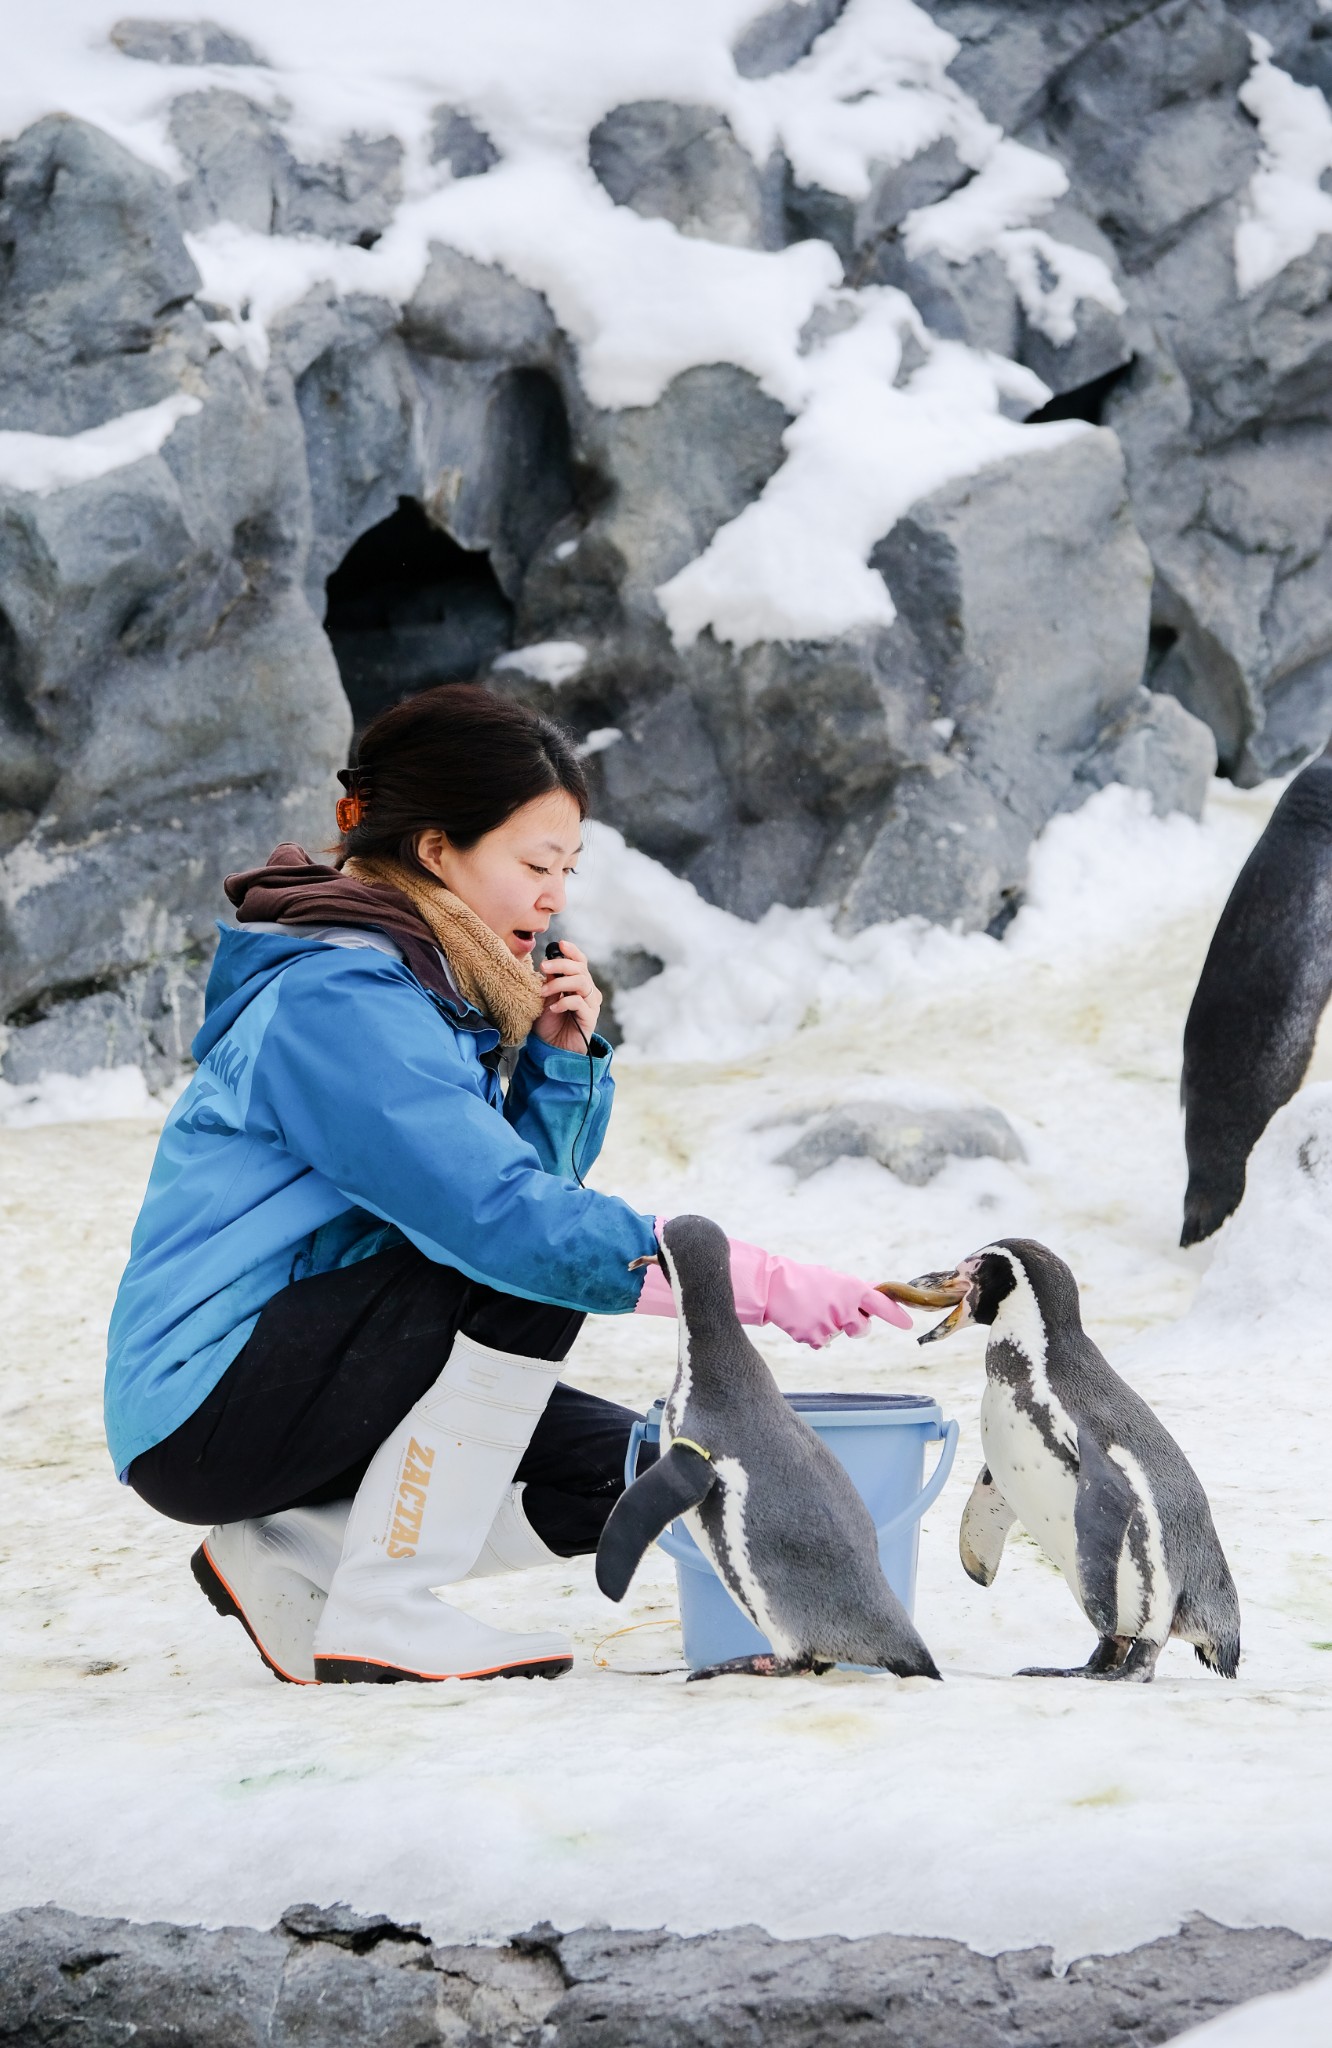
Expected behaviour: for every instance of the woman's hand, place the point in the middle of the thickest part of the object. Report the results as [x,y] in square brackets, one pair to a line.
[573,1001]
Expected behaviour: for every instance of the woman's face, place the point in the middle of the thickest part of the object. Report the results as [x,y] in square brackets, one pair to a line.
[514,877]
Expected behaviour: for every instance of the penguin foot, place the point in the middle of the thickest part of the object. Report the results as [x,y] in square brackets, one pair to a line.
[1139,1665]
[765,1664]
[1109,1653]
[1114,1657]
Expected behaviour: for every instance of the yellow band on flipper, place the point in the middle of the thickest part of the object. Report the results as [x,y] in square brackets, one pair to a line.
[688,1444]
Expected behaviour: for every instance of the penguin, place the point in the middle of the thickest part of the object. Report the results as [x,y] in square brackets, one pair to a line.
[766,1501]
[1262,991]
[1081,1461]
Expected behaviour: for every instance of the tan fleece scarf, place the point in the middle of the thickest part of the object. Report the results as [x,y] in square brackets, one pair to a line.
[507,989]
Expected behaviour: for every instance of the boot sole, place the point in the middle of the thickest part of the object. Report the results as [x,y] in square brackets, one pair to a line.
[223,1601]
[364,1671]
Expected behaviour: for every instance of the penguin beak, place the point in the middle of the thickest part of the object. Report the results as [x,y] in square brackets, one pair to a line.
[937,1290]
[932,1290]
[958,1320]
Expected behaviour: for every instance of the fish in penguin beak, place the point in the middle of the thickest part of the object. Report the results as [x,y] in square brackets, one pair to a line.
[937,1290]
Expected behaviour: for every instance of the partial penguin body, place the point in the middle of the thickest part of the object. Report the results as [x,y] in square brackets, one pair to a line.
[1261,994]
[768,1504]
[1091,1473]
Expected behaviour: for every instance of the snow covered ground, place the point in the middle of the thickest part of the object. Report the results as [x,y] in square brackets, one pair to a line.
[150,1766]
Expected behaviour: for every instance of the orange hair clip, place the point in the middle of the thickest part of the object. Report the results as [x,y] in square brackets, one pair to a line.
[351,808]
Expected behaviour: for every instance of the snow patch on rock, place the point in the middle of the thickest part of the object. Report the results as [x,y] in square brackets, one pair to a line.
[1287,208]
[48,462]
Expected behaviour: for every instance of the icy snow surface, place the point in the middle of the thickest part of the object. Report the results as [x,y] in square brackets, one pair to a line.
[149,1765]
[109,1094]
[642,301]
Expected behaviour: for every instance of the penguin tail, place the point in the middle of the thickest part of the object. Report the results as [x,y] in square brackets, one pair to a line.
[1222,1657]
[917,1664]
[901,1650]
[1212,1624]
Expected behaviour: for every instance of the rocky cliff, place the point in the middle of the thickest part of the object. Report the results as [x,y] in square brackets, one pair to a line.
[968,450]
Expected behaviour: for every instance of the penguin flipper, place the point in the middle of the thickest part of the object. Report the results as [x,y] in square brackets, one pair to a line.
[986,1521]
[677,1482]
[1102,1512]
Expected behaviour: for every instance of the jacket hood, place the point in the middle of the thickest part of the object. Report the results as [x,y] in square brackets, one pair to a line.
[244,964]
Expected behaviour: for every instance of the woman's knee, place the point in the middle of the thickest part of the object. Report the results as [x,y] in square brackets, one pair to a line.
[530,1329]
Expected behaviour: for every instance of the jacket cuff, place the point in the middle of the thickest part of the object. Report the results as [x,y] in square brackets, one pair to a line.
[556,1065]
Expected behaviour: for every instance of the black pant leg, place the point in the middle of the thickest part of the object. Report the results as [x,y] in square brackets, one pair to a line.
[573,1469]
[331,1367]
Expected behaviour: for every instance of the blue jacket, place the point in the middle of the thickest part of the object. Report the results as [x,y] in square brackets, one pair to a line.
[340,1107]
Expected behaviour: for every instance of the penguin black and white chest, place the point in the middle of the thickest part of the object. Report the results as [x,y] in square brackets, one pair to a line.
[1082,1462]
[771,1508]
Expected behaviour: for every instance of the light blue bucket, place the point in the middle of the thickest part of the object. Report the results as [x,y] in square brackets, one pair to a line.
[881,1439]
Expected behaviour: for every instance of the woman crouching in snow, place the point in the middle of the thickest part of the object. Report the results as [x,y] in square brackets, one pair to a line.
[361,1257]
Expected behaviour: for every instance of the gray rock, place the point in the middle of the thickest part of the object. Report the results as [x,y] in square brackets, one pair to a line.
[474,312]
[148,1020]
[943,847]
[1103,342]
[914,1144]
[350,199]
[496,460]
[181,42]
[174,701]
[236,161]
[456,140]
[95,282]
[664,776]
[1243,598]
[1010,56]
[1028,689]
[781,35]
[855,226]
[1149,116]
[666,477]
[973,302]
[326,1976]
[241,168]
[356,397]
[683,164]
[629,967]
[160,652]
[1157,746]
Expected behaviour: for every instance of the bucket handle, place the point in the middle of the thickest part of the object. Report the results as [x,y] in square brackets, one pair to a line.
[931,1490]
[903,1519]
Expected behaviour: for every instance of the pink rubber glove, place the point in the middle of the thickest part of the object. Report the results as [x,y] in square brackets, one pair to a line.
[811,1303]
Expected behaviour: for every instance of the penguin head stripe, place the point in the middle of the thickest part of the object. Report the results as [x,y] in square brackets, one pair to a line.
[1051,1282]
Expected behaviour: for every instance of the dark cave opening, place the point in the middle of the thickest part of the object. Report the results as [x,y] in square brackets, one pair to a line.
[407,608]
[1084,402]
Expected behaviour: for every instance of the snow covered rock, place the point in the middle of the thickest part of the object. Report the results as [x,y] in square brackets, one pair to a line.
[181,42]
[1168,121]
[747,352]
[456,140]
[167,699]
[241,169]
[683,164]
[325,1975]
[914,1144]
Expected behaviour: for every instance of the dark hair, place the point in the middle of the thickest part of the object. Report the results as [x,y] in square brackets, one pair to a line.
[457,759]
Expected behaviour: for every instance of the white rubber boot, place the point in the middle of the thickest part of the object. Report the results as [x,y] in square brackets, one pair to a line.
[420,1520]
[512,1544]
[273,1575]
